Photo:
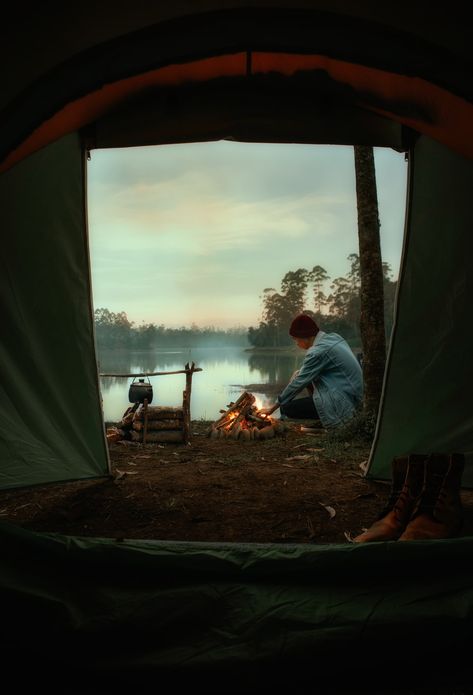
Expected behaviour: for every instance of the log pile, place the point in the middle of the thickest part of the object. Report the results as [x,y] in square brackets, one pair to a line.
[144,424]
[150,424]
[158,424]
[243,421]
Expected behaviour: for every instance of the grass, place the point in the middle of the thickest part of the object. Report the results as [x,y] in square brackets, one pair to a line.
[358,431]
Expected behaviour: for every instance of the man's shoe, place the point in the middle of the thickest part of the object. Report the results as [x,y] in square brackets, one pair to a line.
[438,512]
[407,482]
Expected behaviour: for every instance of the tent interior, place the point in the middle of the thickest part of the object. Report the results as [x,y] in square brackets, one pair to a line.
[122,76]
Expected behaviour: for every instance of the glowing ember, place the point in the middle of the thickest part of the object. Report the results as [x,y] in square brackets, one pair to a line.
[243,420]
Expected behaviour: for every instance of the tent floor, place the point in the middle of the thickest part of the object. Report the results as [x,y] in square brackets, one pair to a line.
[296,488]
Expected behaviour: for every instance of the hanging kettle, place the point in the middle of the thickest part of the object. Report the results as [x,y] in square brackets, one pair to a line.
[139,390]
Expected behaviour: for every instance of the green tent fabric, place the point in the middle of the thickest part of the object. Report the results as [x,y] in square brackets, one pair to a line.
[51,425]
[88,615]
[426,401]
[128,615]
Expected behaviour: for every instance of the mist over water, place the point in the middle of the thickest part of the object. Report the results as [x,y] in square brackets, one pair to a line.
[225,374]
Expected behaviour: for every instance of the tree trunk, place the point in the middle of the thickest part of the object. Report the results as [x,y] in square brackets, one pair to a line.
[371,271]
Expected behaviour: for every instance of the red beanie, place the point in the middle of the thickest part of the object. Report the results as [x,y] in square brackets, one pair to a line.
[303,327]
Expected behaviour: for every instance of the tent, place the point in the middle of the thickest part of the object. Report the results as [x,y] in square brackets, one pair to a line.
[95,75]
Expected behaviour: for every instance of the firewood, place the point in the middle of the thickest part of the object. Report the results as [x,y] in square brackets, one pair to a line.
[243,421]
[236,422]
[235,431]
[243,402]
[160,412]
[245,435]
[266,432]
[220,424]
[126,421]
[258,419]
[114,434]
[145,420]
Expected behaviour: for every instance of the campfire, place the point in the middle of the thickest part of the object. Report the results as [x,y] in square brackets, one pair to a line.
[243,421]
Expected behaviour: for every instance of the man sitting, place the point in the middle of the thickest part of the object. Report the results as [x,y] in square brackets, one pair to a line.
[331,373]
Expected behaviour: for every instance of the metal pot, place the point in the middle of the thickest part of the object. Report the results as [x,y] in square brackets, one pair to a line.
[139,390]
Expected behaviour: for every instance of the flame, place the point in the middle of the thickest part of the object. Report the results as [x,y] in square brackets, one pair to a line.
[258,402]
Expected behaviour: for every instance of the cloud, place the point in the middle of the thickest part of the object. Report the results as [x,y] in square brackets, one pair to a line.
[199,230]
[186,213]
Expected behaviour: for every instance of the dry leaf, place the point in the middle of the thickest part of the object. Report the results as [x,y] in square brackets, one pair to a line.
[330,510]
[119,474]
[348,536]
[302,457]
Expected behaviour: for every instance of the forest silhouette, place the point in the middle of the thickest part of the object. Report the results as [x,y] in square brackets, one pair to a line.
[301,290]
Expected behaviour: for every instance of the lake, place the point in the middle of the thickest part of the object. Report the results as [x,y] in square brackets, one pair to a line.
[226,371]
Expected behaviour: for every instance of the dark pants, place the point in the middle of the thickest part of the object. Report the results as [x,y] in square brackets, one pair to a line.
[300,409]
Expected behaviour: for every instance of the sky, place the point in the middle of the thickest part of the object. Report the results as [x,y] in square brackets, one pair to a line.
[193,233]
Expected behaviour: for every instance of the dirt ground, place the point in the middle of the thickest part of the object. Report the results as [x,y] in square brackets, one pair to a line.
[295,488]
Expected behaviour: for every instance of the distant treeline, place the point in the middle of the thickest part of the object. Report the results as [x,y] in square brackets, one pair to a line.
[115,331]
[301,291]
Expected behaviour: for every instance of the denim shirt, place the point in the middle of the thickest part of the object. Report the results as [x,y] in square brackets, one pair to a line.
[336,376]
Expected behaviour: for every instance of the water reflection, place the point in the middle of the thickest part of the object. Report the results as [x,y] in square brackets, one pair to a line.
[274,368]
[226,371]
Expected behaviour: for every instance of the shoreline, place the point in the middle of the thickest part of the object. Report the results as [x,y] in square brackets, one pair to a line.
[261,388]
[289,350]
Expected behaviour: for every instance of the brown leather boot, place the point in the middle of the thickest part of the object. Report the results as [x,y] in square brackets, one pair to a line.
[438,513]
[407,482]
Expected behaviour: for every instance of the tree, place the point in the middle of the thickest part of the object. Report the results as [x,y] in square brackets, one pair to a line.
[277,313]
[318,276]
[371,274]
[390,288]
[112,330]
[340,297]
[353,308]
[294,288]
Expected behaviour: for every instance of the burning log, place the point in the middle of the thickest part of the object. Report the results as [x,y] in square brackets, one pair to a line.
[243,421]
